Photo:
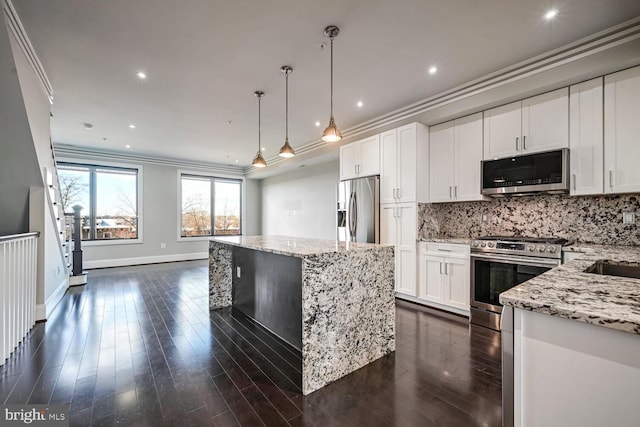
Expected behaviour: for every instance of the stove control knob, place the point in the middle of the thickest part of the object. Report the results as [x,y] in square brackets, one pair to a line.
[483,244]
[541,248]
[491,244]
[531,248]
[551,249]
[476,244]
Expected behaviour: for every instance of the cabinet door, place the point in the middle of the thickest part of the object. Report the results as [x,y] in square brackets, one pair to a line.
[502,128]
[468,155]
[370,156]
[349,160]
[406,249]
[441,158]
[388,167]
[430,276]
[545,121]
[457,288]
[586,138]
[622,131]
[389,234]
[407,150]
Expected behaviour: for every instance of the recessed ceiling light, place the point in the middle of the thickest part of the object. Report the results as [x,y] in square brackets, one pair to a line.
[263,148]
[433,69]
[359,104]
[132,126]
[141,75]
[551,13]
[87,126]
[236,161]
[127,146]
[317,124]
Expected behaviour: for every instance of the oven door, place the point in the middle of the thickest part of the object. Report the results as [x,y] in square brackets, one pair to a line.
[493,274]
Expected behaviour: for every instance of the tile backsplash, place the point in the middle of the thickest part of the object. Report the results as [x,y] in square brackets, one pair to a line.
[582,219]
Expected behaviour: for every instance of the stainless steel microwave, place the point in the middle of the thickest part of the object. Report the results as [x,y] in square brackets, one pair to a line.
[530,173]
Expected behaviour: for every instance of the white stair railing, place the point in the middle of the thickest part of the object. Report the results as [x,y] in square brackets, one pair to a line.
[18,268]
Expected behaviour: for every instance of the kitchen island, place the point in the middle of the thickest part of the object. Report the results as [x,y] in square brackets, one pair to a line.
[332,301]
[575,342]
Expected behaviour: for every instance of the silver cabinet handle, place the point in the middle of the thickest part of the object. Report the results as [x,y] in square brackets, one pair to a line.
[611,178]
[455,191]
[445,250]
[574,181]
[440,268]
[394,193]
[358,169]
[517,149]
[399,193]
[450,192]
[524,142]
[446,268]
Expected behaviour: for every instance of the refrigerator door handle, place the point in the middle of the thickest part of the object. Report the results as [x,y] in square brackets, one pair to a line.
[353,215]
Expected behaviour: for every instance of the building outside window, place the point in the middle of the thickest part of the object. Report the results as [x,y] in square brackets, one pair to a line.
[108,195]
[204,195]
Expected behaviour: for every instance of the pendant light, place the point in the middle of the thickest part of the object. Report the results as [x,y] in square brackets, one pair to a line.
[331,133]
[258,160]
[286,150]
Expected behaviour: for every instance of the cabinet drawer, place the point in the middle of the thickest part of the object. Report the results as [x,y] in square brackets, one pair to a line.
[455,250]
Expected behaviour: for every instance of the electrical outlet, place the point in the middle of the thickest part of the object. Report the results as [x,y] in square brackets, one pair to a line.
[628,217]
[485,217]
[163,245]
[238,272]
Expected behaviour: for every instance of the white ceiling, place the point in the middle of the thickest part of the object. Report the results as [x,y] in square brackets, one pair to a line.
[204,60]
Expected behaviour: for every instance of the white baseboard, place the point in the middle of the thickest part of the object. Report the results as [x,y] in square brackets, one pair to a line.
[432,304]
[43,311]
[122,262]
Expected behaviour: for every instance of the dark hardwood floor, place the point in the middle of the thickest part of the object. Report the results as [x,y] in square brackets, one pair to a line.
[138,346]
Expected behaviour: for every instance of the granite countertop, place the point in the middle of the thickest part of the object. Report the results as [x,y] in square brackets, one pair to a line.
[457,240]
[567,291]
[296,246]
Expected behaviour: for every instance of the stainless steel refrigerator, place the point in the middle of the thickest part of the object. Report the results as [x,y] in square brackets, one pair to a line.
[359,210]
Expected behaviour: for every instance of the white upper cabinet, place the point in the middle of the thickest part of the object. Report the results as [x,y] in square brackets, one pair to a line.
[586,138]
[404,164]
[360,158]
[622,131]
[535,124]
[455,153]
[502,129]
[441,161]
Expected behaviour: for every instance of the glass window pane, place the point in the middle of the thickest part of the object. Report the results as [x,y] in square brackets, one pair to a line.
[74,190]
[196,207]
[116,204]
[227,207]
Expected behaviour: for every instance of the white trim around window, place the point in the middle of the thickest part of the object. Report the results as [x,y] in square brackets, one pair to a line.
[139,190]
[179,174]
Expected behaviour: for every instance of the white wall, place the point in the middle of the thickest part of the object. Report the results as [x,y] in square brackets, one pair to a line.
[302,203]
[253,208]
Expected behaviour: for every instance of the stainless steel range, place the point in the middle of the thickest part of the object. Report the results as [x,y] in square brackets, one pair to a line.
[499,263]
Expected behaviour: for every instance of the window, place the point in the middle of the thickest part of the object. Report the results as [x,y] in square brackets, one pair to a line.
[202,196]
[108,195]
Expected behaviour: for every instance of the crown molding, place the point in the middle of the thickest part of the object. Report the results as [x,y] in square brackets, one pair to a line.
[590,45]
[14,23]
[87,153]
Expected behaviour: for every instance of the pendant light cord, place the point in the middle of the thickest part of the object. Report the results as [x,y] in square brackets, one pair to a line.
[259,101]
[286,106]
[331,38]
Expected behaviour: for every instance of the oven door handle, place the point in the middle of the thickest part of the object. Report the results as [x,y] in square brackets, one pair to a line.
[530,261]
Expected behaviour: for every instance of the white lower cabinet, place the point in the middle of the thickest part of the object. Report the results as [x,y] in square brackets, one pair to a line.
[398,227]
[444,276]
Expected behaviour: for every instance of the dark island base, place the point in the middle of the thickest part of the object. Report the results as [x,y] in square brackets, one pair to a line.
[268,289]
